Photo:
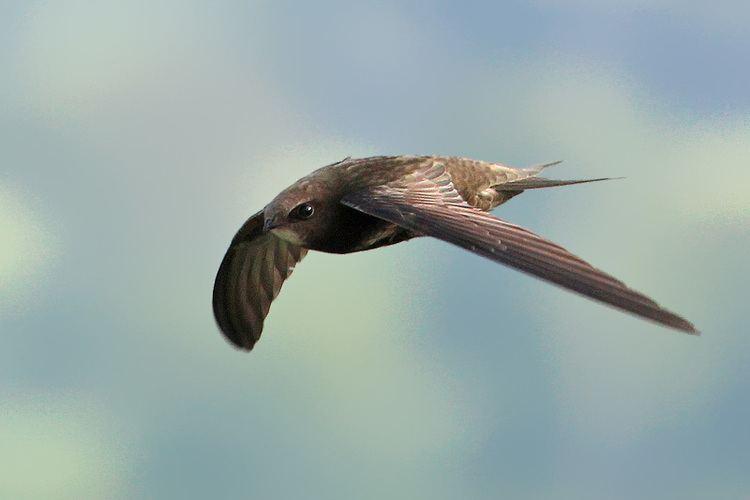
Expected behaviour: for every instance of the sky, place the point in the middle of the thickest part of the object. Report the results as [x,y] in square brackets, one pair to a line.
[136,137]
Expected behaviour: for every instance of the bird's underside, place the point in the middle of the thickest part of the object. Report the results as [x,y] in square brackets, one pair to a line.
[446,198]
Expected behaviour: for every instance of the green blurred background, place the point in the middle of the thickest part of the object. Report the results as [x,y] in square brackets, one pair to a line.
[135,137]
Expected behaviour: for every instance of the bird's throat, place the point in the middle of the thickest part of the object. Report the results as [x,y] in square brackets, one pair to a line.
[287,234]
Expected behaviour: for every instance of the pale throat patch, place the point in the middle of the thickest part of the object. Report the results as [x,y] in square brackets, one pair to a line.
[287,234]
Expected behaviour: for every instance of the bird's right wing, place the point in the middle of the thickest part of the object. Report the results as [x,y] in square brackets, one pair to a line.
[249,278]
[427,203]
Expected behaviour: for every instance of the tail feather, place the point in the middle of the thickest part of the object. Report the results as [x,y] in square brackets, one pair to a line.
[542,182]
[538,168]
[529,179]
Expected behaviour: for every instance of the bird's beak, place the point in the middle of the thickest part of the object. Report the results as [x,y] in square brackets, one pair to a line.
[270,224]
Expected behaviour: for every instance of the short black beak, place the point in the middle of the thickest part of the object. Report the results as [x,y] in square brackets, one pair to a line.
[269,224]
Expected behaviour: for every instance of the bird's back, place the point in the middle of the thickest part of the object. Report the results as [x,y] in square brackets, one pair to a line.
[475,180]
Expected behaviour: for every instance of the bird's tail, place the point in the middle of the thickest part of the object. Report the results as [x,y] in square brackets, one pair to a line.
[532,181]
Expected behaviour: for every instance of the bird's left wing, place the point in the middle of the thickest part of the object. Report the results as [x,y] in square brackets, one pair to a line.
[249,278]
[427,203]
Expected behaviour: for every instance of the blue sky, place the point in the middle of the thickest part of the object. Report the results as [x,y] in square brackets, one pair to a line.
[135,138]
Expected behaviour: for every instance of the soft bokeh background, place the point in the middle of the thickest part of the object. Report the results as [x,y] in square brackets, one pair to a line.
[135,137]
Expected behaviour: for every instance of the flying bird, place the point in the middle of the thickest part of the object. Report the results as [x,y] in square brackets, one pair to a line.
[360,204]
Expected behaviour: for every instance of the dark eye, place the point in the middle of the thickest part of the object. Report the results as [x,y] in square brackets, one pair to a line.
[304,211]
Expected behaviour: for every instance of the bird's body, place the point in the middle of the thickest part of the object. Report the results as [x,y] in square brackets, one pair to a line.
[360,204]
[481,184]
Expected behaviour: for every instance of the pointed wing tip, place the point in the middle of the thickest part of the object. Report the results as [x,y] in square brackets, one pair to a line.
[244,347]
[685,326]
[237,338]
[242,341]
[693,331]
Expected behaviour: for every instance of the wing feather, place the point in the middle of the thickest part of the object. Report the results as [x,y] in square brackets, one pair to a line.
[250,277]
[428,203]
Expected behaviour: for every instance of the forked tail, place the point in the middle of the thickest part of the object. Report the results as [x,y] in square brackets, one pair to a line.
[534,182]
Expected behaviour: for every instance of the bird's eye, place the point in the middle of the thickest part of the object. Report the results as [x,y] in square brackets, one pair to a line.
[304,211]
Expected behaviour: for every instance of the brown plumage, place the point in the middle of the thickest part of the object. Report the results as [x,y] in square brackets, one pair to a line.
[360,204]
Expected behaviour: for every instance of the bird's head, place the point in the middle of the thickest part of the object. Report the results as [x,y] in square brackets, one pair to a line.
[300,214]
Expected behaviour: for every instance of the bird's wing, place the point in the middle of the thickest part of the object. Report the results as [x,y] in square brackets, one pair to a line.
[427,203]
[249,278]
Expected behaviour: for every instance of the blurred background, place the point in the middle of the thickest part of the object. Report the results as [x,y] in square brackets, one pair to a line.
[136,137]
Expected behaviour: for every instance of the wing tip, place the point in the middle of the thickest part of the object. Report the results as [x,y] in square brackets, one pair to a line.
[243,346]
[225,312]
[240,340]
[677,323]
[692,330]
